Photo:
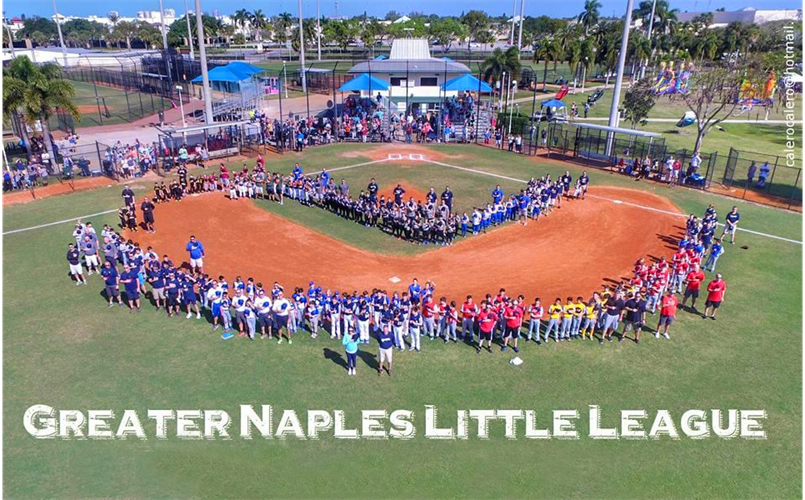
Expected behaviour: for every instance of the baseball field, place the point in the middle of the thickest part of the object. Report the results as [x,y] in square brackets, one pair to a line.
[65,348]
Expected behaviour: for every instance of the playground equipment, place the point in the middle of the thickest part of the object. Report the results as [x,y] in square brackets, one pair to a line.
[688,119]
[751,94]
[670,81]
[272,85]
[595,96]
[562,92]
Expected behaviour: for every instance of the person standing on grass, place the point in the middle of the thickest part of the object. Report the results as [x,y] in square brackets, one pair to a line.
[74,260]
[715,295]
[350,343]
[90,249]
[386,342]
[613,314]
[280,310]
[513,317]
[111,281]
[716,251]
[667,314]
[130,280]
[486,323]
[469,310]
[173,290]
[128,196]
[632,318]
[693,284]
[147,209]
[535,312]
[196,250]
[189,297]
[731,224]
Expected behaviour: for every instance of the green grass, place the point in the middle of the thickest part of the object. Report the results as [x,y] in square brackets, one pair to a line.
[63,347]
[121,110]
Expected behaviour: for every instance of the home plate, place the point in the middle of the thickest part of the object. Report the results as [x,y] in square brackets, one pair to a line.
[395,156]
[617,201]
[395,279]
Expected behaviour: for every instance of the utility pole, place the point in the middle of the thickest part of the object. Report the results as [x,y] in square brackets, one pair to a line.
[164,42]
[614,116]
[205,78]
[302,69]
[520,35]
[189,31]
[61,38]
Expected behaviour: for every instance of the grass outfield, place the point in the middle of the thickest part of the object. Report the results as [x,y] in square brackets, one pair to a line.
[120,110]
[63,347]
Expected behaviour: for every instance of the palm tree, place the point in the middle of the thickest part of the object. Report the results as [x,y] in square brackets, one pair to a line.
[114,17]
[35,93]
[640,49]
[283,22]
[259,23]
[590,16]
[572,55]
[241,19]
[500,62]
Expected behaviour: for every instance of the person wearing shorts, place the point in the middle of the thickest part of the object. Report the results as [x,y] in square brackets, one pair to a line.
[715,295]
[147,209]
[74,260]
[633,317]
[667,314]
[156,277]
[486,323]
[512,315]
[90,248]
[731,224]
[172,289]
[262,306]
[239,303]
[215,296]
[196,250]
[613,311]
[131,282]
[111,281]
[386,341]
[280,310]
[694,283]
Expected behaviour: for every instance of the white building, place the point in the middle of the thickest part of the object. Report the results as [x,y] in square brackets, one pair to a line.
[414,76]
[749,15]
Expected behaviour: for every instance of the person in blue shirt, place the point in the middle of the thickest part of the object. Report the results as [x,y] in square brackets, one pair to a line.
[196,250]
[731,224]
[189,296]
[497,194]
[350,343]
[715,252]
[111,281]
[447,198]
[297,172]
[172,289]
[131,282]
[523,202]
[386,341]
[415,289]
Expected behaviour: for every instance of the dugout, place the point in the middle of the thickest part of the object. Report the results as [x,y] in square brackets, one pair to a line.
[587,142]
[220,138]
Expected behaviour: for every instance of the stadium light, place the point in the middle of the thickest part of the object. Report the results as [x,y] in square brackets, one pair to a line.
[616,91]
[205,78]
[61,38]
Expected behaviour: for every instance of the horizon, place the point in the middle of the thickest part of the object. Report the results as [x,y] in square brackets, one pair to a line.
[350,8]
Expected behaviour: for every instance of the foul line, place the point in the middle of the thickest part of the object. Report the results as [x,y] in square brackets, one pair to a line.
[40,226]
[772,236]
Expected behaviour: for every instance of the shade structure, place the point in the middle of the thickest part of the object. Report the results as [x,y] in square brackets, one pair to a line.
[364,82]
[553,103]
[232,72]
[381,57]
[467,83]
[243,67]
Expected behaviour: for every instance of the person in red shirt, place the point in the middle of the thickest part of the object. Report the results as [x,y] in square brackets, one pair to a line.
[469,310]
[428,313]
[486,323]
[694,283]
[513,316]
[715,295]
[667,314]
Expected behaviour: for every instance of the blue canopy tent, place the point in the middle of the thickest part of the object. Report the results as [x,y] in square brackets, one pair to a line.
[364,82]
[381,57]
[554,115]
[233,78]
[466,83]
[553,103]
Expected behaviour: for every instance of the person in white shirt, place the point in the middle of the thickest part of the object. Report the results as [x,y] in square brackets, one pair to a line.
[215,296]
[262,305]
[280,310]
[240,303]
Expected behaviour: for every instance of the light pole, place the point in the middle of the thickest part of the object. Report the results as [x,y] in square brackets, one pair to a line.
[284,78]
[514,14]
[181,109]
[318,29]
[302,50]
[189,31]
[650,29]
[520,34]
[205,78]
[164,40]
[511,108]
[61,38]
[616,92]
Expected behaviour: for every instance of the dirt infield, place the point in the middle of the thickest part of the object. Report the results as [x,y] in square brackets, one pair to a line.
[573,251]
[55,188]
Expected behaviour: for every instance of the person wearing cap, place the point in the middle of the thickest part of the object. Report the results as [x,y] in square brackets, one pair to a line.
[486,323]
[173,289]
[385,341]
[668,306]
[632,317]
[111,281]
[215,296]
[74,260]
[314,314]
[156,277]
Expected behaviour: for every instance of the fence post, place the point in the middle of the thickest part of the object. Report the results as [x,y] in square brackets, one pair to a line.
[771,180]
[794,188]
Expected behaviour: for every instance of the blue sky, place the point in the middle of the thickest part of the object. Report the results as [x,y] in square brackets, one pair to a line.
[555,8]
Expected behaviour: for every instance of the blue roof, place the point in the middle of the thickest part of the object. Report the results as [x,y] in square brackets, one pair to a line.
[553,103]
[468,83]
[381,57]
[233,72]
[364,82]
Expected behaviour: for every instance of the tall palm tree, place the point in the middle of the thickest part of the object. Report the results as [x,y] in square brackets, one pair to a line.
[282,23]
[572,55]
[590,15]
[241,18]
[500,62]
[587,51]
[35,92]
[259,23]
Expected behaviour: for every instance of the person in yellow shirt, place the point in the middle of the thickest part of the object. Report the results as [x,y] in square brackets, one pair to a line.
[590,315]
[578,315]
[555,313]
[568,311]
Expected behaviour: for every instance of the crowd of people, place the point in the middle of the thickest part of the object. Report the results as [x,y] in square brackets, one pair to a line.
[401,320]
